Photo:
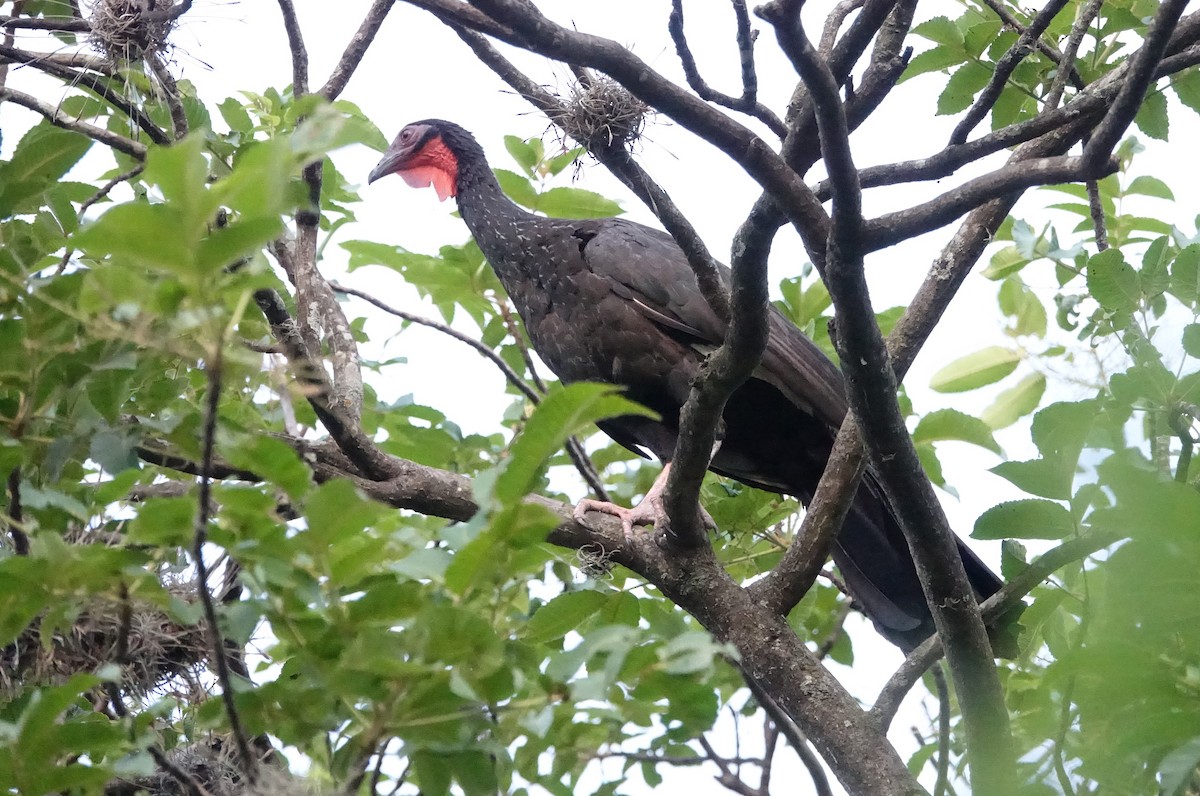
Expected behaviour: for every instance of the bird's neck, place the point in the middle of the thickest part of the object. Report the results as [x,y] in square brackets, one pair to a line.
[482,201]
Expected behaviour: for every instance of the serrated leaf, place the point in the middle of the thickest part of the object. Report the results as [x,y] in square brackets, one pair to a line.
[976,370]
[1005,262]
[522,152]
[518,188]
[1150,186]
[1023,306]
[932,61]
[1113,282]
[42,157]
[1191,339]
[563,614]
[967,81]
[950,424]
[940,30]
[273,460]
[1015,402]
[1024,519]
[1152,117]
[1187,88]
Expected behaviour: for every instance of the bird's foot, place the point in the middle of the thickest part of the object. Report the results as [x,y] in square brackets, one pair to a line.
[649,512]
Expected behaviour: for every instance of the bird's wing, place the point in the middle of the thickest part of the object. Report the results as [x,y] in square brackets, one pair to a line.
[646,267]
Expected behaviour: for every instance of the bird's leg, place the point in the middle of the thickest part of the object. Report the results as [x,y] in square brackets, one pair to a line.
[649,511]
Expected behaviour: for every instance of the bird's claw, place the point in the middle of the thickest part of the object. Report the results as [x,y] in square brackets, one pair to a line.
[649,512]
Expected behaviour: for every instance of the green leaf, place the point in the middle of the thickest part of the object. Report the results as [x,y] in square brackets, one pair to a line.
[227,245]
[1023,306]
[181,173]
[1187,88]
[950,424]
[1015,402]
[113,450]
[1191,339]
[1024,519]
[941,30]
[273,460]
[234,114]
[577,203]
[1154,277]
[967,81]
[155,236]
[1152,118]
[1178,769]
[518,188]
[563,412]
[1005,262]
[563,614]
[523,152]
[1113,282]
[1185,275]
[981,368]
[1150,186]
[932,61]
[40,160]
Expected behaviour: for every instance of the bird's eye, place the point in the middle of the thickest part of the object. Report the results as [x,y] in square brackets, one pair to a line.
[406,134]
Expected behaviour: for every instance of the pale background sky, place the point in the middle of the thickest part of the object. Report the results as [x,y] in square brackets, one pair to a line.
[417,68]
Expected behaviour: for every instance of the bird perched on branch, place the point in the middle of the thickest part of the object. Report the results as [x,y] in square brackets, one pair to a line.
[613,301]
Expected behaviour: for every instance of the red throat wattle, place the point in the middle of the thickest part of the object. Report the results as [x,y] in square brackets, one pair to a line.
[434,164]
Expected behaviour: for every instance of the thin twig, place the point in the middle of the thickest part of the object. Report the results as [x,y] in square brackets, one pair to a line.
[200,538]
[99,195]
[1046,49]
[1004,69]
[56,117]
[943,760]
[748,102]
[1143,65]
[794,736]
[1082,22]
[726,777]
[996,606]
[1096,210]
[355,50]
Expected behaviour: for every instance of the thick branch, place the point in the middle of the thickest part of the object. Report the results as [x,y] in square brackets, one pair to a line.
[871,388]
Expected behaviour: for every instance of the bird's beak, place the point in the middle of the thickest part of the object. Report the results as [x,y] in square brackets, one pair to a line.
[390,163]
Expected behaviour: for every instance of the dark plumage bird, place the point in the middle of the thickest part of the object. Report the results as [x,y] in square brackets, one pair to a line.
[612,301]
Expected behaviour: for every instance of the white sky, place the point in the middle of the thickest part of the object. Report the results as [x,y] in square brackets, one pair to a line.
[417,69]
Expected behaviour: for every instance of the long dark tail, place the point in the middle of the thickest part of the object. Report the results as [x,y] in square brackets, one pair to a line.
[874,559]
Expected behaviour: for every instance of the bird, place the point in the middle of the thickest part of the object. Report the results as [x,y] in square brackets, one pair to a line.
[610,300]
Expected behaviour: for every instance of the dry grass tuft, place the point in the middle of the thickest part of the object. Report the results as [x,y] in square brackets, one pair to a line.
[601,113]
[131,30]
[159,651]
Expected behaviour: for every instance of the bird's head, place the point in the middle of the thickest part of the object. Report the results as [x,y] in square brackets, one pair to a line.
[429,152]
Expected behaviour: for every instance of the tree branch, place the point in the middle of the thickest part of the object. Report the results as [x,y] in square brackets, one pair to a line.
[249,764]
[1143,66]
[356,49]
[871,388]
[59,119]
[1004,69]
[747,103]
